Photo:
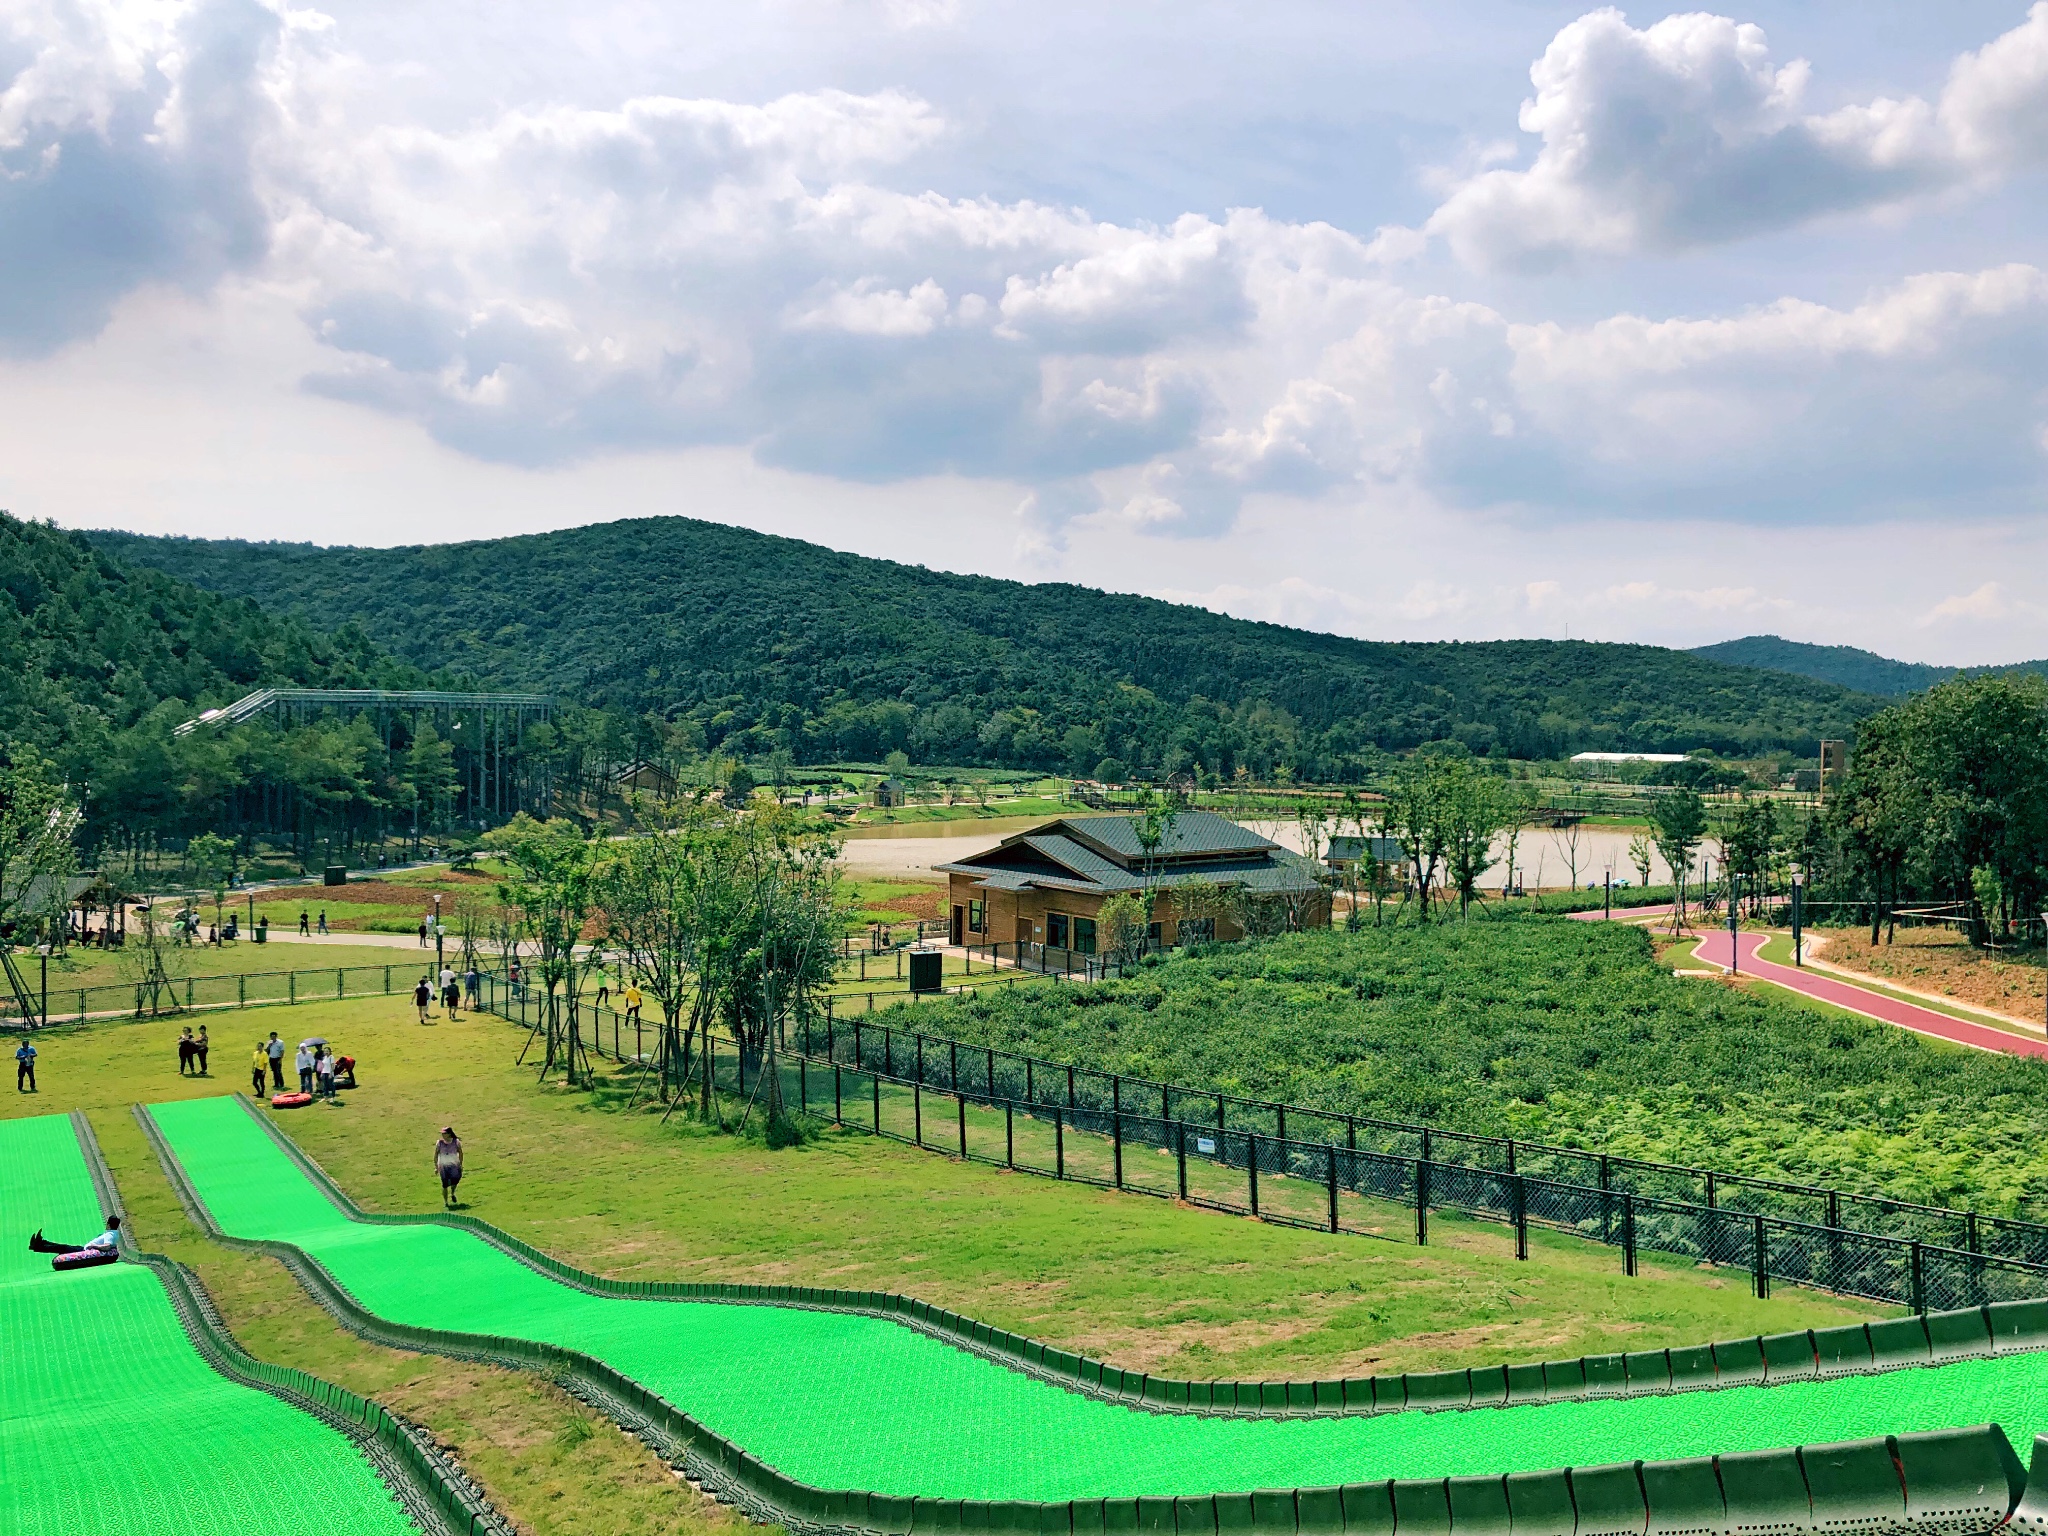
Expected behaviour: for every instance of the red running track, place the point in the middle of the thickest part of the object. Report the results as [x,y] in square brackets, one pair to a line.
[1713,949]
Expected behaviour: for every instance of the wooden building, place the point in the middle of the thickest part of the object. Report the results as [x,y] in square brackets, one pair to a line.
[1047,886]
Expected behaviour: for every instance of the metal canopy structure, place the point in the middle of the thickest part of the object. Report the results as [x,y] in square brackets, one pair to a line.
[491,773]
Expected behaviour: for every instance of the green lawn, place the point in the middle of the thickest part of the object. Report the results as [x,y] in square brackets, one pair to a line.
[967,810]
[1137,1280]
[103,968]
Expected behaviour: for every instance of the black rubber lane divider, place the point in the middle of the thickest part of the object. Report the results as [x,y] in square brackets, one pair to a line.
[1956,1482]
[440,1500]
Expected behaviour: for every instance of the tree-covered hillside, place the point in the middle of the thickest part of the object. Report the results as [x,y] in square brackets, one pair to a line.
[1864,671]
[767,642]
[90,648]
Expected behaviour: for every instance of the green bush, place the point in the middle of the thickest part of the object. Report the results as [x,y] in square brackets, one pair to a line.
[1553,1030]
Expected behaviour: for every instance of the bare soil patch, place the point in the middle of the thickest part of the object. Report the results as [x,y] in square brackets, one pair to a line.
[1940,960]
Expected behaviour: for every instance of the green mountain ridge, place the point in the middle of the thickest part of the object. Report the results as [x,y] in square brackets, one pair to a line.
[1845,665]
[761,642]
[91,648]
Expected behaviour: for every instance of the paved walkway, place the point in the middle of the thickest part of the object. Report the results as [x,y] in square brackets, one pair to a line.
[1713,950]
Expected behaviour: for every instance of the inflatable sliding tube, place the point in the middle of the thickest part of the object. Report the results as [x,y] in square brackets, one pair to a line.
[821,1411]
[125,1407]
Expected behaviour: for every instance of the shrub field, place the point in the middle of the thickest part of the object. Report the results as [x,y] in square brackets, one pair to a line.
[1558,1031]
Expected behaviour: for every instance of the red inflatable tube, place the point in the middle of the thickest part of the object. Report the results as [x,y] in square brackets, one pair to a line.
[85,1258]
[290,1100]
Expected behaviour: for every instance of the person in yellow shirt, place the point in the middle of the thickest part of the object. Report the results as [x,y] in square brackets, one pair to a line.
[632,1000]
[257,1064]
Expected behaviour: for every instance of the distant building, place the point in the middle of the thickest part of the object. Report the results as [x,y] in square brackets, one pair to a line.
[644,778]
[1347,851]
[1629,757]
[890,793]
[1047,885]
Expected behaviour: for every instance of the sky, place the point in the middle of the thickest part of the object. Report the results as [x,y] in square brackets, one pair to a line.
[1469,319]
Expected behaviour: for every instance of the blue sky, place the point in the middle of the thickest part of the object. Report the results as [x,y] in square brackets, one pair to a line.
[1415,321]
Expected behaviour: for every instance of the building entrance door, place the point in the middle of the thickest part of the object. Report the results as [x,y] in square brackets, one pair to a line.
[1023,932]
[959,925]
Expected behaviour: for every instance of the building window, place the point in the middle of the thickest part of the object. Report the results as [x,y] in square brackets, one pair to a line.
[1056,930]
[1084,935]
[977,917]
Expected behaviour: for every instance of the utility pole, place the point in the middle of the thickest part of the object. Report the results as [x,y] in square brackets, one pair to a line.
[1609,896]
[1798,917]
[439,963]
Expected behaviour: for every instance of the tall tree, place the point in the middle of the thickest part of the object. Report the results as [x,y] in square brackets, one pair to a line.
[550,879]
[1681,821]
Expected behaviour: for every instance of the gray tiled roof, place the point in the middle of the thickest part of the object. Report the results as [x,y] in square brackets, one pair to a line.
[1192,832]
[1280,870]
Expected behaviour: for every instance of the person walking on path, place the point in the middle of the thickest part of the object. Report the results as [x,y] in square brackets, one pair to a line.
[448,1164]
[25,1068]
[604,988]
[199,1049]
[187,1046]
[423,999]
[473,986]
[274,1049]
[304,1062]
[323,921]
[423,933]
[305,929]
[256,1065]
[632,999]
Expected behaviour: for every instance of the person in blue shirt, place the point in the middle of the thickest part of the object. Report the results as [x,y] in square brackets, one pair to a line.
[24,1068]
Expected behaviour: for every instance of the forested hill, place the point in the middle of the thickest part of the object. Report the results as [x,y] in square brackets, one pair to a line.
[90,649]
[768,641]
[1865,671]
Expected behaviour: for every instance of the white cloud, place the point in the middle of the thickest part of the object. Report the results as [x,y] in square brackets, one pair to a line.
[1687,133]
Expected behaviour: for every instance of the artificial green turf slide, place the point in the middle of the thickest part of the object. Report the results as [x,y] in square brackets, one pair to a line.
[840,1401]
[110,1422]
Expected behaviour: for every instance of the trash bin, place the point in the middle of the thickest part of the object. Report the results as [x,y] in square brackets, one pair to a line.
[337,874]
[926,966]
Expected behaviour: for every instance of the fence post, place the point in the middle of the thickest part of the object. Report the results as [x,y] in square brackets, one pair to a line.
[1918,1300]
[1059,1142]
[387,981]
[1511,1154]
[1332,1152]
[1520,1193]
[1710,1189]
[1251,1169]
[1009,1134]
[1760,1253]
[917,1112]
[803,1081]
[1628,1232]
[960,1102]
[292,984]
[241,991]
[953,1064]
[1422,1197]
[1606,1201]
[1070,1088]
[1280,1119]
[875,1083]
[1181,1147]
[838,1118]
[338,983]
[1116,1137]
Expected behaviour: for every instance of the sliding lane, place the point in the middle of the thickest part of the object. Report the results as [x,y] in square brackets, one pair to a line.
[110,1421]
[836,1400]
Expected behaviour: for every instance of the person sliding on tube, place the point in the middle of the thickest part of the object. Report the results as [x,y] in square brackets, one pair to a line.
[109,1239]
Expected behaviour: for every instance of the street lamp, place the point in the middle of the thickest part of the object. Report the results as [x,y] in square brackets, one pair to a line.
[1607,887]
[438,962]
[1734,904]
[1798,916]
